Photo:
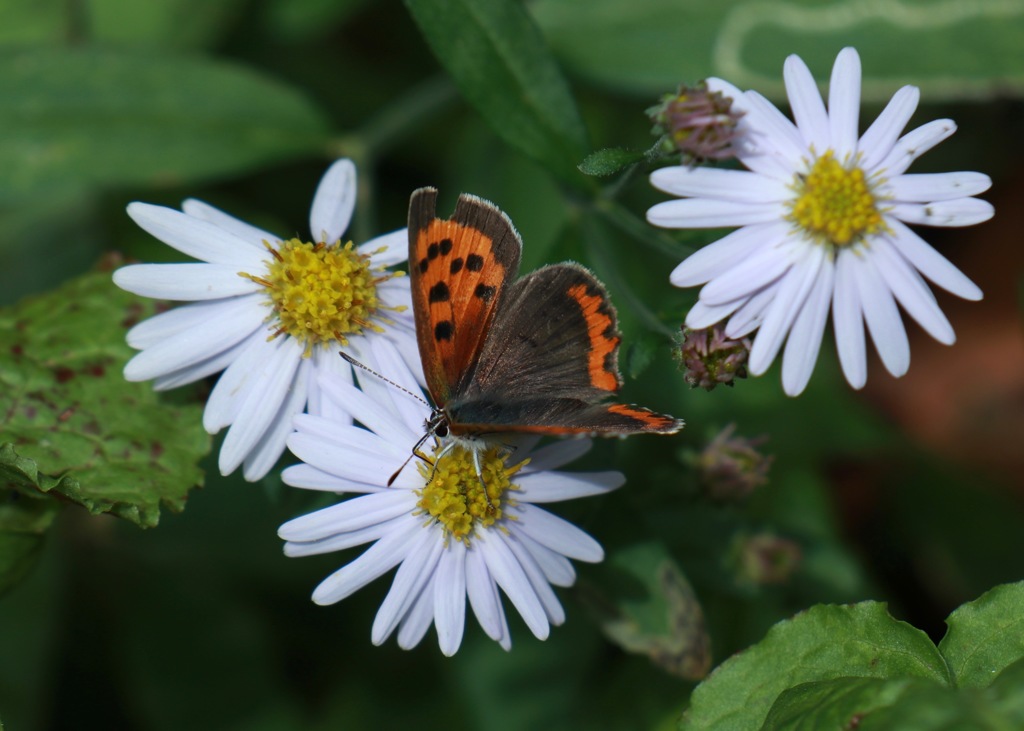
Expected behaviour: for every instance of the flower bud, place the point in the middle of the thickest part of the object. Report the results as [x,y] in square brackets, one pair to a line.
[765,558]
[730,467]
[700,124]
[710,358]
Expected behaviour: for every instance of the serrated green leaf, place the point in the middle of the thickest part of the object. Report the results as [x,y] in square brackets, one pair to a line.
[650,609]
[985,636]
[501,63]
[68,410]
[89,116]
[950,50]
[610,161]
[840,703]
[825,642]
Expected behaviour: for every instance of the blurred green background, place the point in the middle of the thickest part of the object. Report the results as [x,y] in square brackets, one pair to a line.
[908,492]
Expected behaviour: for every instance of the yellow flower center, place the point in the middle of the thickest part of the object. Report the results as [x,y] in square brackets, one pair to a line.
[322,293]
[455,496]
[834,205]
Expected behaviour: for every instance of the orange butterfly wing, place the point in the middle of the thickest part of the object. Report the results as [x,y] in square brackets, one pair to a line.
[459,271]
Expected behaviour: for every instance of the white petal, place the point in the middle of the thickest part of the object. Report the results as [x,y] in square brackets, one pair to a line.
[750,316]
[375,561]
[340,542]
[232,324]
[951,213]
[781,137]
[272,382]
[197,238]
[395,245]
[911,291]
[752,145]
[168,324]
[709,213]
[702,315]
[847,321]
[308,477]
[353,454]
[412,575]
[757,271]
[202,369]
[555,455]
[330,366]
[721,184]
[844,103]
[367,411]
[558,534]
[552,607]
[930,187]
[349,515]
[184,281]
[805,338]
[805,100]
[264,455]
[931,263]
[718,257]
[450,597]
[483,596]
[509,575]
[557,568]
[233,386]
[877,141]
[241,229]
[414,625]
[549,487]
[779,315]
[333,203]
[882,317]
[915,143]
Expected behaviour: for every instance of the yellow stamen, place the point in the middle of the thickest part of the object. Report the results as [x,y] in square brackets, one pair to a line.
[321,293]
[835,206]
[454,493]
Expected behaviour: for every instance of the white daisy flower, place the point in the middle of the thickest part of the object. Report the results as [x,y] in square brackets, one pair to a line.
[270,313]
[449,541]
[822,216]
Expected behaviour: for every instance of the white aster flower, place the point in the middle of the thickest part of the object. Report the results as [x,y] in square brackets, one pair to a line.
[270,313]
[822,216]
[449,541]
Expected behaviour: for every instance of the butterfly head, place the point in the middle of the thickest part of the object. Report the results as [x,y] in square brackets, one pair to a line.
[438,424]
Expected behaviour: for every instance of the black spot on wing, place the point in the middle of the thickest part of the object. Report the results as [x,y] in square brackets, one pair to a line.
[446,246]
[439,293]
[423,265]
[443,330]
[456,265]
[484,292]
[433,250]
[474,262]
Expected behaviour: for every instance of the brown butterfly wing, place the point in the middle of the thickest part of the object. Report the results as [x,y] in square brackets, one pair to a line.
[459,271]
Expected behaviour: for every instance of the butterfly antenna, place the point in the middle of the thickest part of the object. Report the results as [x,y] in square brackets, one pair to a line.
[419,398]
[414,453]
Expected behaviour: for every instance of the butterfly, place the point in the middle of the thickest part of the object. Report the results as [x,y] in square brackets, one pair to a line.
[535,354]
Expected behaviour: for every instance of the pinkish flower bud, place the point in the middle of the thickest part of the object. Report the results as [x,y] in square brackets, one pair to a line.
[711,358]
[730,467]
[700,124]
[765,558]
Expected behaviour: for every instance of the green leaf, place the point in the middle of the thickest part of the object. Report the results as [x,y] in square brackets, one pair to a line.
[653,611]
[167,24]
[302,20]
[1000,707]
[501,63]
[985,636]
[836,704]
[825,642]
[69,412]
[648,47]
[610,161]
[87,116]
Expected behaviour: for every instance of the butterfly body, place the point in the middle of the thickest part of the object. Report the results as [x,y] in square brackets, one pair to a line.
[500,354]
